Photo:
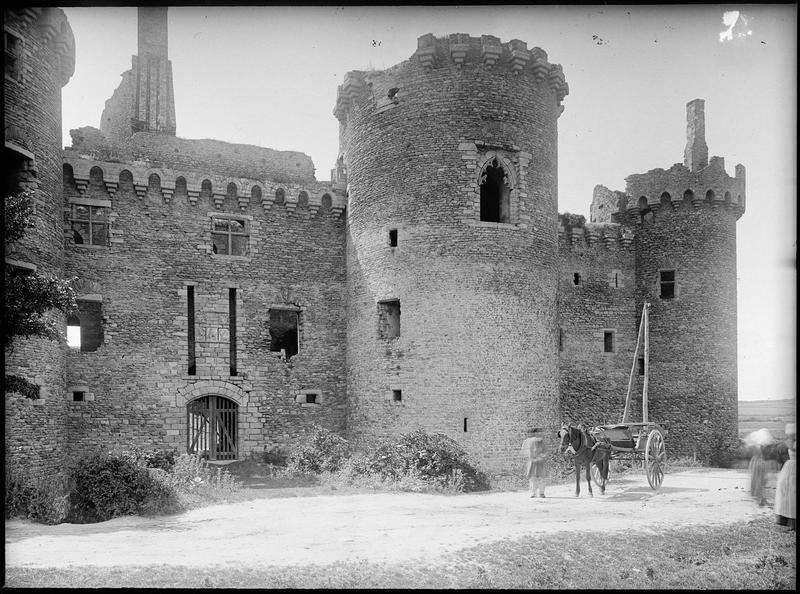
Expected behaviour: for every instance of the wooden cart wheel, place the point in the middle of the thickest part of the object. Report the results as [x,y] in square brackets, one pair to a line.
[596,476]
[655,459]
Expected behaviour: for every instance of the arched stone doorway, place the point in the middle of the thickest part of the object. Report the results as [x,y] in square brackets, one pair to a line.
[212,427]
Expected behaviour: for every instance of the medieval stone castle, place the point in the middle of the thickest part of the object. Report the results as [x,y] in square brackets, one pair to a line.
[229,301]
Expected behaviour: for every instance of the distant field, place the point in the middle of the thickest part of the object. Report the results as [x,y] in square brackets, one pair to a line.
[767,414]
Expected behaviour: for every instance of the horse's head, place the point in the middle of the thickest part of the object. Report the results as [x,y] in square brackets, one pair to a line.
[566,435]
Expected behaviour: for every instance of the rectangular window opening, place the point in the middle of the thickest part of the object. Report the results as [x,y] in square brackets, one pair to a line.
[229,236]
[284,330]
[232,324]
[397,395]
[641,365]
[560,340]
[13,51]
[667,282]
[576,278]
[192,368]
[78,396]
[85,327]
[311,398]
[389,319]
[465,424]
[89,224]
[393,237]
[608,341]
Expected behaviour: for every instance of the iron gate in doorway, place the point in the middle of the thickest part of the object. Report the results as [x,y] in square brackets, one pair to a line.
[212,427]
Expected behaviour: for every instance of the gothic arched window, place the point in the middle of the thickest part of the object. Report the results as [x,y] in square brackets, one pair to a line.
[495,195]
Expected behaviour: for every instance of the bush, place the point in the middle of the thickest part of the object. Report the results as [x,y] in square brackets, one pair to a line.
[323,452]
[163,459]
[439,459]
[44,499]
[195,482]
[275,456]
[106,486]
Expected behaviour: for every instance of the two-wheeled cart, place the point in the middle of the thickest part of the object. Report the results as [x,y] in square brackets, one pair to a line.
[642,441]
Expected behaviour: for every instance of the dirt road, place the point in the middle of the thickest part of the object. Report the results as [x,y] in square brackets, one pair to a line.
[379,527]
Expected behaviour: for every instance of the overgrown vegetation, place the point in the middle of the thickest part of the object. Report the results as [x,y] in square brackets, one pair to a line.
[29,295]
[745,556]
[107,485]
[415,461]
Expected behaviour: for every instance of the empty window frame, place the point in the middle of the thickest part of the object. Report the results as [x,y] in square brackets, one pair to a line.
[89,224]
[397,395]
[284,330]
[389,319]
[78,396]
[229,236]
[85,328]
[392,237]
[641,365]
[609,341]
[192,357]
[13,49]
[232,326]
[576,278]
[666,282]
[495,195]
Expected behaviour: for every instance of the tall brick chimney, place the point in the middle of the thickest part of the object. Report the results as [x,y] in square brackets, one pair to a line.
[695,155]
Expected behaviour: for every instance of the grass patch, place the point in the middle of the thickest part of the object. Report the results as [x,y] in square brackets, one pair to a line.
[755,555]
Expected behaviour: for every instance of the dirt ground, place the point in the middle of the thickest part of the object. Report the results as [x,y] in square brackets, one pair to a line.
[381,527]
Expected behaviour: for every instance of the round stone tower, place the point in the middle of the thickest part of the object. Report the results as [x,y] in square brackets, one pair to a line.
[40,59]
[451,167]
[685,226]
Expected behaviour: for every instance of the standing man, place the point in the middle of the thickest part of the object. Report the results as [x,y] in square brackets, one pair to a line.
[535,454]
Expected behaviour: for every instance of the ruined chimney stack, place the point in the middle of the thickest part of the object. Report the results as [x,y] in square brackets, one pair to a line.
[695,156]
[152,39]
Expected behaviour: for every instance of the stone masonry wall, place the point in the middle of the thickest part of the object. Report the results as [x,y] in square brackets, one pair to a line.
[593,383]
[138,381]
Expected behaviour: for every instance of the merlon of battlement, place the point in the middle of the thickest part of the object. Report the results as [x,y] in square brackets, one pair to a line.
[574,231]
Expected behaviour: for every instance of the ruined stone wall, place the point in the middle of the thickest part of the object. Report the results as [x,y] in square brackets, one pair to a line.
[222,158]
[138,382]
[596,288]
[476,357]
[45,51]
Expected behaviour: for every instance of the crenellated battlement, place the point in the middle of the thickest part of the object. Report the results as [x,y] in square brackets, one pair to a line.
[677,187]
[315,198]
[460,51]
[53,30]
[575,232]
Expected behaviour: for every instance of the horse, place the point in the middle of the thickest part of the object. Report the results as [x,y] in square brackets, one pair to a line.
[585,450]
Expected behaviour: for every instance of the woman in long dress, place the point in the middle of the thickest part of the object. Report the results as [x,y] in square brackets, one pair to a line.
[785,491]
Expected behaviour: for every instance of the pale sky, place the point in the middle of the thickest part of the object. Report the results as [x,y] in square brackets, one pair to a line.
[268,75]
